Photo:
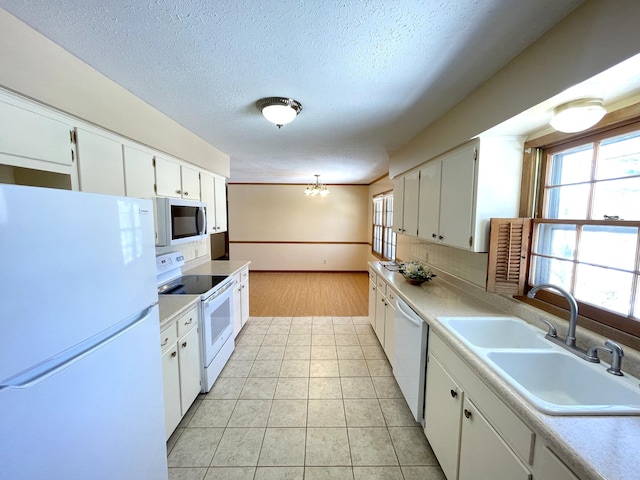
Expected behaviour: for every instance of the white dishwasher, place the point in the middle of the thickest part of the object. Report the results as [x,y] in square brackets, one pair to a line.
[410,356]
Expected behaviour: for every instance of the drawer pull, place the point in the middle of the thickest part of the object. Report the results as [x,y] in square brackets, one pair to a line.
[189,322]
[454,394]
[173,354]
[184,344]
[467,413]
[166,340]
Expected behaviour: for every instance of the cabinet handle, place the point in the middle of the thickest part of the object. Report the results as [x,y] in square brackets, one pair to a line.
[173,354]
[454,394]
[189,322]
[186,194]
[467,413]
[440,237]
[433,235]
[184,344]
[166,340]
[178,192]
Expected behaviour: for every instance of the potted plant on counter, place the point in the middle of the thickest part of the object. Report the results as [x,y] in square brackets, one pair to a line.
[415,273]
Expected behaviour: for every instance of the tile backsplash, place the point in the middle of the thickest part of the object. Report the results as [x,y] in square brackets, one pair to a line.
[468,266]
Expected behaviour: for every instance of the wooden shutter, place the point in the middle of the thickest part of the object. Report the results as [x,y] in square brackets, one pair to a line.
[508,254]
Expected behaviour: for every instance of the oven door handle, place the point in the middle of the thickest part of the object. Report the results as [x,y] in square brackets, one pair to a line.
[217,294]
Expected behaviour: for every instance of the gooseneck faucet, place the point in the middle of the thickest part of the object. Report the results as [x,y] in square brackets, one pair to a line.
[570,341]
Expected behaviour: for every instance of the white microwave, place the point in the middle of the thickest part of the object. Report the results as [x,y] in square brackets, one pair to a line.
[180,221]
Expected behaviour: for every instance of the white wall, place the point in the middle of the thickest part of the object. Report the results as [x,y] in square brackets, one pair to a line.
[276,227]
[594,37]
[35,67]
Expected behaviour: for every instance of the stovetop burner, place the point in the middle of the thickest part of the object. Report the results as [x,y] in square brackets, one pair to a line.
[191,284]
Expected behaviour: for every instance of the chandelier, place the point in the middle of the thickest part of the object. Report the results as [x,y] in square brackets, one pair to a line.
[317,189]
[279,110]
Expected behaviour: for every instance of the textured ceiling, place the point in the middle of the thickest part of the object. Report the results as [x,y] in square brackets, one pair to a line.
[369,74]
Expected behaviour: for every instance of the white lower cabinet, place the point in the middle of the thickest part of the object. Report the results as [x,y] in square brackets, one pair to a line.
[390,326]
[180,345]
[483,453]
[240,300]
[473,434]
[372,299]
[443,415]
[381,309]
[551,467]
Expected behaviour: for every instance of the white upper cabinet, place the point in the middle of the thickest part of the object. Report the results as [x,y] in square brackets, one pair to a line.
[214,194]
[463,189]
[168,180]
[139,174]
[100,164]
[406,197]
[175,180]
[30,136]
[221,204]
[190,183]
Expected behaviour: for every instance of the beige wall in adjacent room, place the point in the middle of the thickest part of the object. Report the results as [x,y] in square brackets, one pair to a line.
[35,67]
[276,227]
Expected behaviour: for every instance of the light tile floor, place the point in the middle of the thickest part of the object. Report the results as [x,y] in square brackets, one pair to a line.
[309,398]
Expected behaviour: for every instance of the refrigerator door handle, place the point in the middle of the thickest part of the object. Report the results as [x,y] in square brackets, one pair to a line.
[53,365]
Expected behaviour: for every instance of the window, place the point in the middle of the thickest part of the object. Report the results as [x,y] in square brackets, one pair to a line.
[384,238]
[586,237]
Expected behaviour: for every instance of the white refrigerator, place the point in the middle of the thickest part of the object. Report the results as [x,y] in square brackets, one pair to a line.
[80,369]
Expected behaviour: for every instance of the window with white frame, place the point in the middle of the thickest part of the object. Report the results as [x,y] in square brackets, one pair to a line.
[384,238]
[586,237]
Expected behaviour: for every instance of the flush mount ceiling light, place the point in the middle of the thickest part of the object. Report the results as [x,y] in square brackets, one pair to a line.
[577,115]
[317,189]
[279,110]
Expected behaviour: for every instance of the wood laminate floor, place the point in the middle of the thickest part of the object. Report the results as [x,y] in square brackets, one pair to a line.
[300,294]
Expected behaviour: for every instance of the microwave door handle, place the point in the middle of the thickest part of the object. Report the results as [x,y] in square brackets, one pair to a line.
[200,215]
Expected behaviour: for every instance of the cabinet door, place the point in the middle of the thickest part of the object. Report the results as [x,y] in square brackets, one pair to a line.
[190,183]
[553,468]
[398,204]
[390,327]
[411,201]
[483,454]
[25,134]
[189,353]
[381,304]
[442,416]
[171,383]
[237,304]
[167,178]
[100,165]
[208,196]
[456,198]
[429,212]
[372,301]
[220,205]
[244,276]
[139,175]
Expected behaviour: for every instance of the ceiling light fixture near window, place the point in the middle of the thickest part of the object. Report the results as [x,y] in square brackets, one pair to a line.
[317,190]
[577,115]
[279,110]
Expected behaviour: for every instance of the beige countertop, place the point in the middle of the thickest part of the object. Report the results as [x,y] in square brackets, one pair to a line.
[218,267]
[594,447]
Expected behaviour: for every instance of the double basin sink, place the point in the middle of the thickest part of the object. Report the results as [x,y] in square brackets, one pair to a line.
[553,380]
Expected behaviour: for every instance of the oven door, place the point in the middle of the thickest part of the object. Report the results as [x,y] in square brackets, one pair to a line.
[217,323]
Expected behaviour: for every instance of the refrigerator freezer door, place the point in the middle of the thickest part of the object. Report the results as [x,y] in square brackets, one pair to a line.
[99,416]
[72,265]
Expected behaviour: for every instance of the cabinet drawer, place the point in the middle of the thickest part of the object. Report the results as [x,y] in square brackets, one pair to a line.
[168,337]
[513,430]
[187,321]
[382,286]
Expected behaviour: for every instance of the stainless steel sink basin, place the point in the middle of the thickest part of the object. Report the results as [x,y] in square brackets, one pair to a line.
[496,332]
[562,384]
